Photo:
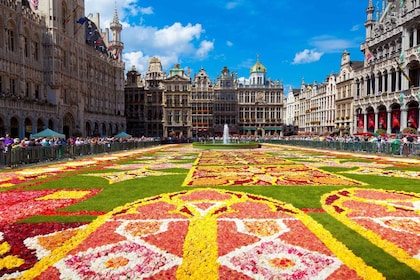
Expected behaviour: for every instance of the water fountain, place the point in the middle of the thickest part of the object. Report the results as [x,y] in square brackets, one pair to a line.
[226,134]
[226,143]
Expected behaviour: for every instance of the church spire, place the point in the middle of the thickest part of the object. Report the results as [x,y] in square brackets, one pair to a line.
[369,21]
[116,28]
[116,20]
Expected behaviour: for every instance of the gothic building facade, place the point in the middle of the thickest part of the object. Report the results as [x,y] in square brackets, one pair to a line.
[59,70]
[387,87]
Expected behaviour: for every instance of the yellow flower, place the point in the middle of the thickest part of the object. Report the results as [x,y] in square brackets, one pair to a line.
[65,195]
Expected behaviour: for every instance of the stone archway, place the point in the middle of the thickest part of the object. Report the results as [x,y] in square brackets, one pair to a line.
[69,126]
[370,119]
[51,124]
[96,132]
[39,125]
[28,127]
[395,118]
[382,119]
[104,131]
[360,120]
[88,129]
[413,115]
[2,127]
[14,127]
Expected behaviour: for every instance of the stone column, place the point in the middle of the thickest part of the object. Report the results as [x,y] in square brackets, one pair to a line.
[365,125]
[418,120]
[403,118]
[376,120]
[384,85]
[389,82]
[389,121]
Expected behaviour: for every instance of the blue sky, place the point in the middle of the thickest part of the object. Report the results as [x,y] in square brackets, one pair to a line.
[294,40]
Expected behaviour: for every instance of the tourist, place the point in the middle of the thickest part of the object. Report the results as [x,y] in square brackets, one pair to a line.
[8,143]
[45,142]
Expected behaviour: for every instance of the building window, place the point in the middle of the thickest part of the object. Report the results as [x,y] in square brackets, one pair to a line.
[10,40]
[66,97]
[185,100]
[27,89]
[13,87]
[37,91]
[25,47]
[36,51]
[177,117]
[65,18]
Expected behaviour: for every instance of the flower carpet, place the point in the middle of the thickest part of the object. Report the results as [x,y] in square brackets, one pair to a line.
[202,234]
[257,169]
[389,219]
[196,222]
[13,178]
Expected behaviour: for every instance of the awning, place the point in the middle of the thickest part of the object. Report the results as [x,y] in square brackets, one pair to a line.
[248,128]
[273,128]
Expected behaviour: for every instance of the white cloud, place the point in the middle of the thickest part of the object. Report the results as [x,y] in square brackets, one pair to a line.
[329,44]
[141,61]
[106,9]
[229,43]
[146,10]
[136,59]
[307,56]
[172,36]
[205,48]
[355,28]
[232,5]
[141,42]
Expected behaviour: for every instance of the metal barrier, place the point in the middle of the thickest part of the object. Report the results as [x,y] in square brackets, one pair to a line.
[35,154]
[393,148]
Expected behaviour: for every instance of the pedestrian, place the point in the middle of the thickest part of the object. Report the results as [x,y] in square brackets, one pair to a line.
[8,143]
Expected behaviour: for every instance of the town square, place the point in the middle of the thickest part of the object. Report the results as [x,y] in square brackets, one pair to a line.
[207,140]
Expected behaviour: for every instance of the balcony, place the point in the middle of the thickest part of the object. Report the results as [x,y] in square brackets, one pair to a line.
[386,96]
[16,105]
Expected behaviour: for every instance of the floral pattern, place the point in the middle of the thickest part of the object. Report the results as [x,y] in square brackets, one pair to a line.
[246,169]
[389,219]
[203,233]
[385,172]
[19,205]
[48,172]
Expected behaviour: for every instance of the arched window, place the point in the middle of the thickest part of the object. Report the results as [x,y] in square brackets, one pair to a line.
[11,37]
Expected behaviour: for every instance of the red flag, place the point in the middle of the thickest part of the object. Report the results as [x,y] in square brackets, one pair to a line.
[360,121]
[395,119]
[371,120]
[382,119]
[413,117]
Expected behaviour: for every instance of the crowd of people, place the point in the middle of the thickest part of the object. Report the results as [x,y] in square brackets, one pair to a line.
[15,151]
[8,142]
[406,144]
